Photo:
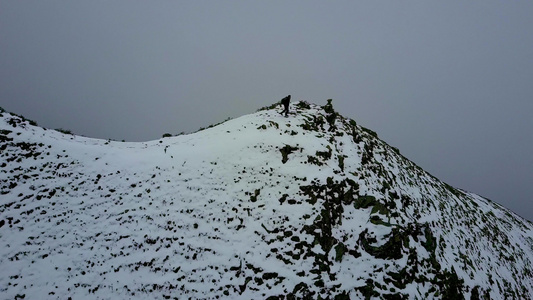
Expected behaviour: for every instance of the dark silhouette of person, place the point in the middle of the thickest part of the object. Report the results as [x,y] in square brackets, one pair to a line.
[285,101]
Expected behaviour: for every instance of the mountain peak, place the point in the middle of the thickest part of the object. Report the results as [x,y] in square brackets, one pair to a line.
[262,206]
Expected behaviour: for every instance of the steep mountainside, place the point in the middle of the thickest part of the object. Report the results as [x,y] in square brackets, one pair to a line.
[261,206]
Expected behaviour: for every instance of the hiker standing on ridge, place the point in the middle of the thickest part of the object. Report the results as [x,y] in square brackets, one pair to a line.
[285,101]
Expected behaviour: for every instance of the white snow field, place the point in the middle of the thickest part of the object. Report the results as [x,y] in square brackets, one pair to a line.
[262,206]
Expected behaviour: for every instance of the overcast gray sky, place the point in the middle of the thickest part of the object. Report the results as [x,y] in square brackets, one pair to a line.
[450,83]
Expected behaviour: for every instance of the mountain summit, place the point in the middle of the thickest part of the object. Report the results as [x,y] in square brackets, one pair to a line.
[262,206]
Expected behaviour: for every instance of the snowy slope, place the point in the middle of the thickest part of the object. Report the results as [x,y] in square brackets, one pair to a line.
[261,206]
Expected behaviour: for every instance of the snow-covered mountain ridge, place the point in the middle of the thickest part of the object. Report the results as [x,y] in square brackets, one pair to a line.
[262,206]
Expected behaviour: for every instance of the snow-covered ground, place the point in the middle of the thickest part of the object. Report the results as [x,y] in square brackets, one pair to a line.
[259,206]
